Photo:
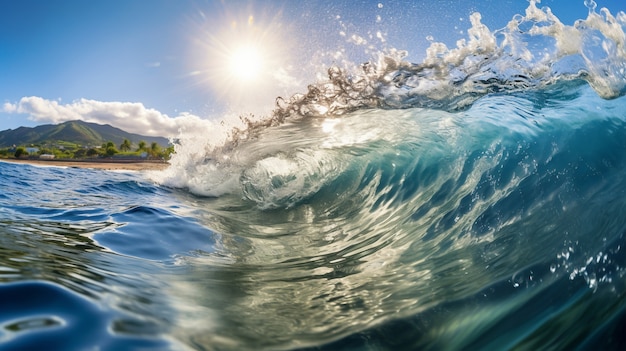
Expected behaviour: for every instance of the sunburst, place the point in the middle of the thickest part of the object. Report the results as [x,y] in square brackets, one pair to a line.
[241,61]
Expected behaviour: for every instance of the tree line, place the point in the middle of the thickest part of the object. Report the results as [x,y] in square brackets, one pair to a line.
[108,149]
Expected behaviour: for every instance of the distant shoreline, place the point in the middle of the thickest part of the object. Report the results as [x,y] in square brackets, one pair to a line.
[104,164]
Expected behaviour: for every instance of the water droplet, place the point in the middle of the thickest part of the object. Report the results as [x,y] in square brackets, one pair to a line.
[553,268]
[592,281]
[591,5]
[380,6]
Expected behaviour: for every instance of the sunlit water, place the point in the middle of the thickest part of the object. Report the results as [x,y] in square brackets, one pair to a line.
[473,204]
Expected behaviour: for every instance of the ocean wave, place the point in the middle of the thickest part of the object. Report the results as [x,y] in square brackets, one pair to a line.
[534,54]
[474,200]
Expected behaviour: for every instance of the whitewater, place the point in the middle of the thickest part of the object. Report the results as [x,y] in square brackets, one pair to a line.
[475,200]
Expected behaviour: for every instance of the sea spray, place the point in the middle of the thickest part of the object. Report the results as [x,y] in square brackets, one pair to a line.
[533,52]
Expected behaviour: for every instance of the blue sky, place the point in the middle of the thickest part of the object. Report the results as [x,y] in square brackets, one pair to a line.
[148,65]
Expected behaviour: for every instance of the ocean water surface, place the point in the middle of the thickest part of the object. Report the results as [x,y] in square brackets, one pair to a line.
[476,200]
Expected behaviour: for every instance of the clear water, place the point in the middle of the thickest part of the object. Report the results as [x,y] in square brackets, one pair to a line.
[463,203]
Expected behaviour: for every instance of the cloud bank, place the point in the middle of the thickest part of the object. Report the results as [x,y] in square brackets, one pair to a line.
[132,117]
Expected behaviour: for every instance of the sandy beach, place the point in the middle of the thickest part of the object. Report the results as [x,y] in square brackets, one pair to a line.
[104,164]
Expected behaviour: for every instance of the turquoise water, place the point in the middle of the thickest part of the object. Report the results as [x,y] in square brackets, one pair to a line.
[502,225]
[468,204]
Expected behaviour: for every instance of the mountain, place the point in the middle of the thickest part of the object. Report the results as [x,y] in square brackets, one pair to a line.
[77,132]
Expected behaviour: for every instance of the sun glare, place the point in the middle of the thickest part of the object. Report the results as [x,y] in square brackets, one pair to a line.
[245,61]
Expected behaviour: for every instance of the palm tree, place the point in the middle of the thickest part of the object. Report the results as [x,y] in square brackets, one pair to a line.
[142,146]
[125,145]
[155,149]
[110,149]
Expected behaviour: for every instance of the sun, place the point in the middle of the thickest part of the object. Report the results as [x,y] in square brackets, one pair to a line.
[246,63]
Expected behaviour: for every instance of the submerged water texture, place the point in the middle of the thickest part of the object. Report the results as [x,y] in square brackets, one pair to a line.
[475,201]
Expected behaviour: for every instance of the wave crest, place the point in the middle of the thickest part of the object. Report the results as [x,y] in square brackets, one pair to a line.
[534,52]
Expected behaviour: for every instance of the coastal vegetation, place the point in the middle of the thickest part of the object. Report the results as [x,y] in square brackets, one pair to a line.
[81,140]
[126,150]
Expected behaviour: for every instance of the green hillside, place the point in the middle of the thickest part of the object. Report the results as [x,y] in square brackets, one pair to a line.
[73,132]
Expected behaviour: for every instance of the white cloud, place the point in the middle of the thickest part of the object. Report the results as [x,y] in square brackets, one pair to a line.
[132,117]
[9,107]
